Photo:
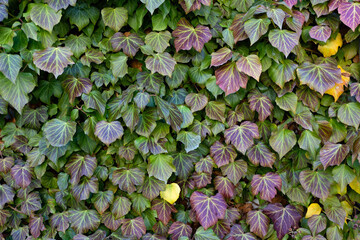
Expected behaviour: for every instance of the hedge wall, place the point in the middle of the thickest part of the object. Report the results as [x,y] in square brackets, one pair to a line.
[179,119]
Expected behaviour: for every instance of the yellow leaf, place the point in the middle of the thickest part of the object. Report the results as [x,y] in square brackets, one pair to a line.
[171,193]
[347,208]
[336,189]
[313,209]
[355,185]
[338,89]
[331,46]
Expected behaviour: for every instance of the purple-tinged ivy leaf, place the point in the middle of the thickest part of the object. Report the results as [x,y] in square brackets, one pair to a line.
[282,141]
[10,65]
[196,101]
[221,56]
[133,227]
[20,233]
[222,154]
[82,190]
[320,33]
[44,16]
[333,154]
[115,18]
[120,207]
[159,41]
[36,225]
[237,27]
[21,144]
[319,76]
[334,4]
[355,90]
[163,210]
[349,114]
[60,221]
[150,236]
[79,166]
[84,220]
[309,97]
[237,233]
[334,211]
[59,132]
[250,65]
[259,223]
[277,15]
[317,237]
[129,42]
[102,200]
[261,104]
[31,203]
[141,100]
[234,117]
[151,82]
[162,63]
[146,145]
[179,229]
[201,179]
[32,118]
[6,163]
[53,59]
[186,36]
[242,137]
[216,110]
[229,79]
[235,170]
[92,56]
[266,185]
[224,186]
[350,14]
[76,86]
[208,209]
[221,228]
[127,152]
[317,223]
[304,119]
[3,12]
[60,4]
[151,188]
[283,72]
[110,221]
[205,165]
[261,154]
[193,5]
[255,28]
[283,217]
[108,132]
[6,195]
[318,183]
[21,175]
[283,40]
[160,166]
[290,3]
[127,179]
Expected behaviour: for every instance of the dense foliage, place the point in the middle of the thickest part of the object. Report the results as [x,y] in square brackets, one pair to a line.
[189,119]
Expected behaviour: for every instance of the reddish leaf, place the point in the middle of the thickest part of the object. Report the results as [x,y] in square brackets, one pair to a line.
[220,57]
[229,79]
[163,210]
[242,136]
[222,154]
[36,225]
[133,227]
[266,185]
[179,229]
[261,154]
[259,223]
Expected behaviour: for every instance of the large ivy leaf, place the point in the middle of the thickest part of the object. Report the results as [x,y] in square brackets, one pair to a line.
[36,225]
[53,59]
[242,137]
[319,76]
[115,18]
[255,28]
[84,220]
[162,63]
[320,33]
[60,4]
[79,166]
[44,16]
[259,223]
[316,182]
[108,132]
[222,154]
[127,179]
[161,166]
[283,217]
[133,227]
[349,114]
[59,132]
[76,86]
[159,41]
[163,210]
[266,185]
[151,5]
[283,40]
[17,94]
[282,141]
[21,175]
[261,154]
[10,65]
[180,229]
[333,154]
[350,14]
[129,43]
[250,65]
[208,209]
[229,79]
[186,36]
